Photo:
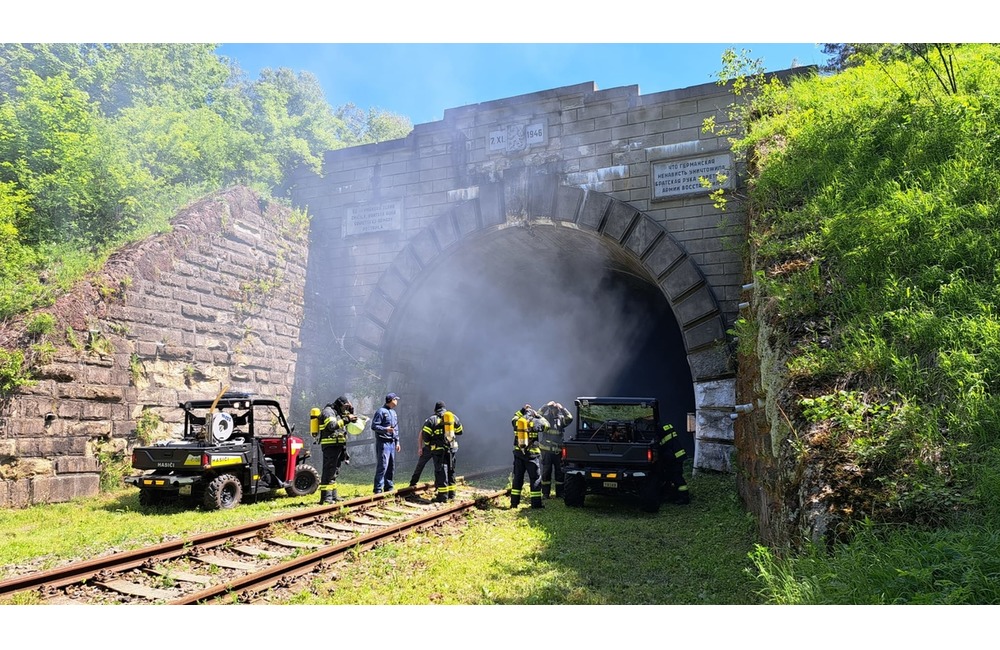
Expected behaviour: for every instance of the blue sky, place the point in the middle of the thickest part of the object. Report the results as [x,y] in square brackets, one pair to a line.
[421,80]
[420,58]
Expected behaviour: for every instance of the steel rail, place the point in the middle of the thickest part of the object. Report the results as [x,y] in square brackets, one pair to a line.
[82,571]
[296,567]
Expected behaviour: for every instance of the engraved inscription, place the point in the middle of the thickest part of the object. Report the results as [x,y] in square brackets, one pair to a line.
[682,177]
[373,217]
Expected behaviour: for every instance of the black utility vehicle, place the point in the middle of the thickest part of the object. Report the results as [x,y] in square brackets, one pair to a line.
[614,450]
[231,448]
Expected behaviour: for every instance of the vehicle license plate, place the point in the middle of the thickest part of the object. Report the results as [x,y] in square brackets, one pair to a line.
[610,484]
[184,491]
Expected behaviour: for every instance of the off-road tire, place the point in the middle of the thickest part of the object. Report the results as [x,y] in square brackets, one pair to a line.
[223,492]
[305,481]
[650,495]
[151,498]
[574,490]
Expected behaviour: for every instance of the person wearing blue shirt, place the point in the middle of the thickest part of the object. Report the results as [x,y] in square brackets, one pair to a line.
[386,429]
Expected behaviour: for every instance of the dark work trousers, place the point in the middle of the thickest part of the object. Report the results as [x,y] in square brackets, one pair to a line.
[676,488]
[385,453]
[425,457]
[333,456]
[451,474]
[552,472]
[441,467]
[530,464]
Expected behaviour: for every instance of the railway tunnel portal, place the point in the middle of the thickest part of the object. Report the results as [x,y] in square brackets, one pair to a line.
[539,247]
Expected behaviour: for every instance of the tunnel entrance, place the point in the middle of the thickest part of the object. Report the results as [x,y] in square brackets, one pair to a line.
[520,314]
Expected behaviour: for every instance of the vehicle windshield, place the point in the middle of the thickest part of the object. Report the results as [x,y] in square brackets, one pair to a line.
[616,422]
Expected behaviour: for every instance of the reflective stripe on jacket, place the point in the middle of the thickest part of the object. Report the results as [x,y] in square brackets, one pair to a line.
[332,428]
[439,432]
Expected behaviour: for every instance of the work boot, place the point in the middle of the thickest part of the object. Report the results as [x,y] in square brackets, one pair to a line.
[325,497]
[514,502]
[336,497]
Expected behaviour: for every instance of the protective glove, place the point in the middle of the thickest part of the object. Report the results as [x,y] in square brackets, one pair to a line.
[347,458]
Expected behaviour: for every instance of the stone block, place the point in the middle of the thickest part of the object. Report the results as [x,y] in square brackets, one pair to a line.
[620,217]
[665,254]
[59,489]
[15,493]
[695,307]
[77,465]
[716,426]
[710,363]
[592,212]
[713,456]
[682,278]
[705,334]
[643,234]
[567,203]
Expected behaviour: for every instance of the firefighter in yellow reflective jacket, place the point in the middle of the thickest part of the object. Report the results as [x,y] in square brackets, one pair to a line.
[550,441]
[527,424]
[438,434]
[332,432]
[672,456]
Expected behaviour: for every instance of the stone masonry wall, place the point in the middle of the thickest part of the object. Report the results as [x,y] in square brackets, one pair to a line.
[216,302]
[607,143]
[599,140]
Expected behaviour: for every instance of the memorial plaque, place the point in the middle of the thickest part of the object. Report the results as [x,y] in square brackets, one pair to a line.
[535,134]
[498,140]
[373,217]
[682,176]
[515,137]
[518,137]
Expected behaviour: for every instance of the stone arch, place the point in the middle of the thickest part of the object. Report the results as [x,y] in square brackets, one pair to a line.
[540,201]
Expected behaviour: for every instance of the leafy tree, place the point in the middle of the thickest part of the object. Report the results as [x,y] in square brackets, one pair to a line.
[290,122]
[100,143]
[373,125]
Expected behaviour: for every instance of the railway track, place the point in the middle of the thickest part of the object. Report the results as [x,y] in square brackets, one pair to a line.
[242,564]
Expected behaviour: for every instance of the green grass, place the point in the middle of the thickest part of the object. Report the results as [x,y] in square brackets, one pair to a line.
[875,241]
[607,553]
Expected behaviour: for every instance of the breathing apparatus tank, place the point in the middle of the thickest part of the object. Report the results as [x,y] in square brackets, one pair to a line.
[521,431]
[448,418]
[314,421]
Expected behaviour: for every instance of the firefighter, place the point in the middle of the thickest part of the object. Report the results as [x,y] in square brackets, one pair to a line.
[333,422]
[672,456]
[438,433]
[527,425]
[550,442]
[424,453]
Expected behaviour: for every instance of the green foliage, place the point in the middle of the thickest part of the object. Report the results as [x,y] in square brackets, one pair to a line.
[43,352]
[375,125]
[136,370]
[13,372]
[99,344]
[101,144]
[146,427]
[888,566]
[73,340]
[875,222]
[41,324]
[115,466]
